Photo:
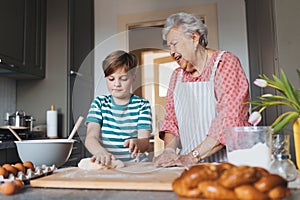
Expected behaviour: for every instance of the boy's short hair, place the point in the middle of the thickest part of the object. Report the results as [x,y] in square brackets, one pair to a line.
[119,59]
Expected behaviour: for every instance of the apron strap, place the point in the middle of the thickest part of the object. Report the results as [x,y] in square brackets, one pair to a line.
[179,77]
[212,77]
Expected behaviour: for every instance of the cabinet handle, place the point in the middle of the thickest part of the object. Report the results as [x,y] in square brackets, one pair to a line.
[72,72]
[10,65]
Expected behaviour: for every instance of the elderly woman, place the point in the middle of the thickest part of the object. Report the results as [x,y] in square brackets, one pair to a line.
[205,95]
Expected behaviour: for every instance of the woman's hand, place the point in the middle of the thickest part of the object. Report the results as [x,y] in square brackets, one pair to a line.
[181,161]
[168,155]
[133,148]
[102,157]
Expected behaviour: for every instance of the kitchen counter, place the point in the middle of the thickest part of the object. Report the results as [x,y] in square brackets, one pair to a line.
[71,194]
[40,193]
[7,144]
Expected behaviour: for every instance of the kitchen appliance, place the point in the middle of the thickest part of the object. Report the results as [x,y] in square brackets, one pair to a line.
[5,134]
[24,132]
[20,119]
[22,124]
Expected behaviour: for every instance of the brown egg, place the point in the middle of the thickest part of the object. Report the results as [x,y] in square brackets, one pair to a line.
[10,169]
[7,188]
[20,167]
[3,172]
[29,165]
[19,183]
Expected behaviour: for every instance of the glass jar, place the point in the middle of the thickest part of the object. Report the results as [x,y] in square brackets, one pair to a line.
[281,162]
[249,145]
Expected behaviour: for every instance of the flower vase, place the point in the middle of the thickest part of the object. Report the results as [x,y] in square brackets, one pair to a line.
[281,162]
[296,130]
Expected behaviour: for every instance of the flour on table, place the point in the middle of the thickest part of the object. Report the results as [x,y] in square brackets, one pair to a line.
[139,167]
[87,164]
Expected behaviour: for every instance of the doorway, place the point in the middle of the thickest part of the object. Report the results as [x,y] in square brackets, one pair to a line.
[153,76]
[144,40]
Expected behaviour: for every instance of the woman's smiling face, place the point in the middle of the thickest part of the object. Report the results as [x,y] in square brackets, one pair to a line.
[182,48]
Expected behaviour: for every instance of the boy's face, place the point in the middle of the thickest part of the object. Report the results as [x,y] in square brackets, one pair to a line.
[119,84]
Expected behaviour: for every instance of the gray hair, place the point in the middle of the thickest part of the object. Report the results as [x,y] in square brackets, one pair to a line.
[189,24]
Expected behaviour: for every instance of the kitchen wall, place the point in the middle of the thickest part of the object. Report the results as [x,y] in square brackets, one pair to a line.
[288,41]
[287,31]
[7,98]
[231,25]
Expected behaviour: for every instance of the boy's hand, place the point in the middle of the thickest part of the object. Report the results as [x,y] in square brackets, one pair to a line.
[103,158]
[133,148]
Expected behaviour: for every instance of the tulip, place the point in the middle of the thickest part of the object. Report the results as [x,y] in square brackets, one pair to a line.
[254,118]
[286,95]
[263,97]
[267,95]
[260,83]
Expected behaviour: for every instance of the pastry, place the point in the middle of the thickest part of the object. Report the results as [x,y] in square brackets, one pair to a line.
[87,164]
[227,181]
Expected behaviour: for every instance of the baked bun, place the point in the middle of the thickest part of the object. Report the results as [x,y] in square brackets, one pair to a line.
[227,181]
[187,183]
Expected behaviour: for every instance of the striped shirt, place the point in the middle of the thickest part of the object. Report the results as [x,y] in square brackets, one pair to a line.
[119,122]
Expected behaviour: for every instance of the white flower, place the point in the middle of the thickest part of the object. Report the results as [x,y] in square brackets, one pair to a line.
[286,95]
[267,95]
[254,118]
[260,83]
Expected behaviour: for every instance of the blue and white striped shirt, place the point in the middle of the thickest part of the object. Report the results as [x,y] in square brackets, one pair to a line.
[119,122]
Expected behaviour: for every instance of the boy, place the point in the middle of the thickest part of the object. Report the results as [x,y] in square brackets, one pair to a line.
[118,124]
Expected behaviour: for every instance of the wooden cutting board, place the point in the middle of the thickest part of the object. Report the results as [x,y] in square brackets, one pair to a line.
[134,176]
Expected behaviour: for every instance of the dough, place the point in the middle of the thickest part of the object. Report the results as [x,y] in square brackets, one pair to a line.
[87,164]
[138,167]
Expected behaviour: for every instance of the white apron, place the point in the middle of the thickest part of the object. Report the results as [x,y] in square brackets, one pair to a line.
[195,108]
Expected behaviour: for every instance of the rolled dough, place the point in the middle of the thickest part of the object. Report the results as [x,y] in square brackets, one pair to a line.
[87,164]
[139,167]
